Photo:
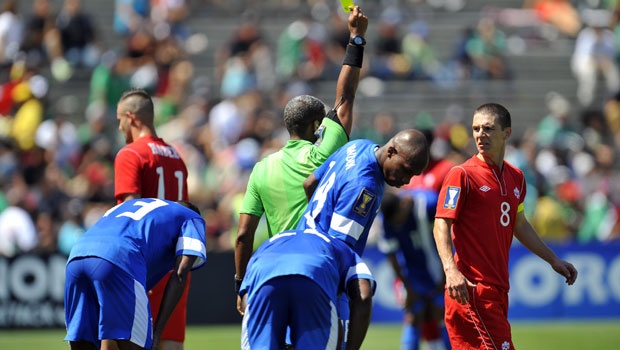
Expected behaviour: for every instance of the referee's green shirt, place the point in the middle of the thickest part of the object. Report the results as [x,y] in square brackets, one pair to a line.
[275,186]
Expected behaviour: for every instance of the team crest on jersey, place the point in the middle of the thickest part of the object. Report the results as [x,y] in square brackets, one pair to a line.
[318,133]
[505,345]
[517,193]
[364,202]
[452,197]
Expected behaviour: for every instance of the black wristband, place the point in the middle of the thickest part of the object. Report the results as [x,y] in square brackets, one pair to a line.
[354,56]
[238,284]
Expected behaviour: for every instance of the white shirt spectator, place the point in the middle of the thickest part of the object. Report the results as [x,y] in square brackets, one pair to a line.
[17,232]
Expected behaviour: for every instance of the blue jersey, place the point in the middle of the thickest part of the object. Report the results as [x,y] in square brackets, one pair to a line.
[348,196]
[143,237]
[412,241]
[331,264]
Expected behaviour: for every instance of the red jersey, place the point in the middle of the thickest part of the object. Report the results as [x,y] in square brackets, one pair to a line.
[483,202]
[152,168]
[432,177]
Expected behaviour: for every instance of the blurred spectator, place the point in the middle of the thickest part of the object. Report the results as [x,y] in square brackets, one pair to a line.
[420,54]
[561,14]
[11,32]
[18,233]
[554,129]
[245,61]
[595,53]
[78,35]
[169,19]
[487,49]
[300,51]
[41,42]
[389,61]
[29,95]
[130,16]
[461,61]
[383,127]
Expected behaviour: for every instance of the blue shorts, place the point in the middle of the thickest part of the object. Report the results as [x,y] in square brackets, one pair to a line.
[102,301]
[294,301]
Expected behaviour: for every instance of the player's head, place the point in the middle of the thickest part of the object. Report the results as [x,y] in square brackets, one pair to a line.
[135,108]
[189,205]
[303,115]
[491,127]
[403,156]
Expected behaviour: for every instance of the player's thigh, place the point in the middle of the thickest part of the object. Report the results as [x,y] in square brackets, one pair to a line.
[314,316]
[266,315]
[81,305]
[480,324]
[124,307]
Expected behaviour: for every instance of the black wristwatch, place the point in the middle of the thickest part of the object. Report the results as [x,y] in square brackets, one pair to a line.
[237,284]
[357,41]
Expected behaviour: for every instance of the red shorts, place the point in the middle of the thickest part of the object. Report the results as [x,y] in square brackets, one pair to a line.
[175,328]
[482,323]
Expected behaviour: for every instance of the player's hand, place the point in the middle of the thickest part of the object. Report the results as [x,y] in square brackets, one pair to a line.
[458,286]
[565,269]
[358,22]
[241,304]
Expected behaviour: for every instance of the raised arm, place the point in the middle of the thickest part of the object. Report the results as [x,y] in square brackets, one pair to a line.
[350,72]
[526,234]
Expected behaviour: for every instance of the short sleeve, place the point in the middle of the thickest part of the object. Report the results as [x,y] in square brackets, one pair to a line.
[332,136]
[126,173]
[252,203]
[192,241]
[453,193]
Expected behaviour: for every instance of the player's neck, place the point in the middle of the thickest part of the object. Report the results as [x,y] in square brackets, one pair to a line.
[497,160]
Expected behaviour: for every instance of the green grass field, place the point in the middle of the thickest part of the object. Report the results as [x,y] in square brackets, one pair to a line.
[529,336]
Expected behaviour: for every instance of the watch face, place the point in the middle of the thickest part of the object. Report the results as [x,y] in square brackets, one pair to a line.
[358,41]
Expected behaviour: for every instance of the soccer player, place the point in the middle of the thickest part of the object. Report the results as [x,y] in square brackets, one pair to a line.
[275,184]
[149,167]
[479,210]
[345,192]
[407,241]
[113,265]
[285,285]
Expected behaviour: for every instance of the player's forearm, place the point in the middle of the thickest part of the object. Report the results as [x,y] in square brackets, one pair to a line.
[244,243]
[348,81]
[443,241]
[174,291]
[526,234]
[360,306]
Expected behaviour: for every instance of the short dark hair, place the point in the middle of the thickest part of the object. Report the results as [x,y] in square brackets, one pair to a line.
[498,111]
[189,205]
[302,111]
[140,102]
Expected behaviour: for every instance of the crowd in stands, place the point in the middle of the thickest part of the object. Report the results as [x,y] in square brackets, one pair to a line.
[56,172]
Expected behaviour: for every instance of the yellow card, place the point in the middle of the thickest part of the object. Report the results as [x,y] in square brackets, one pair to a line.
[346,4]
